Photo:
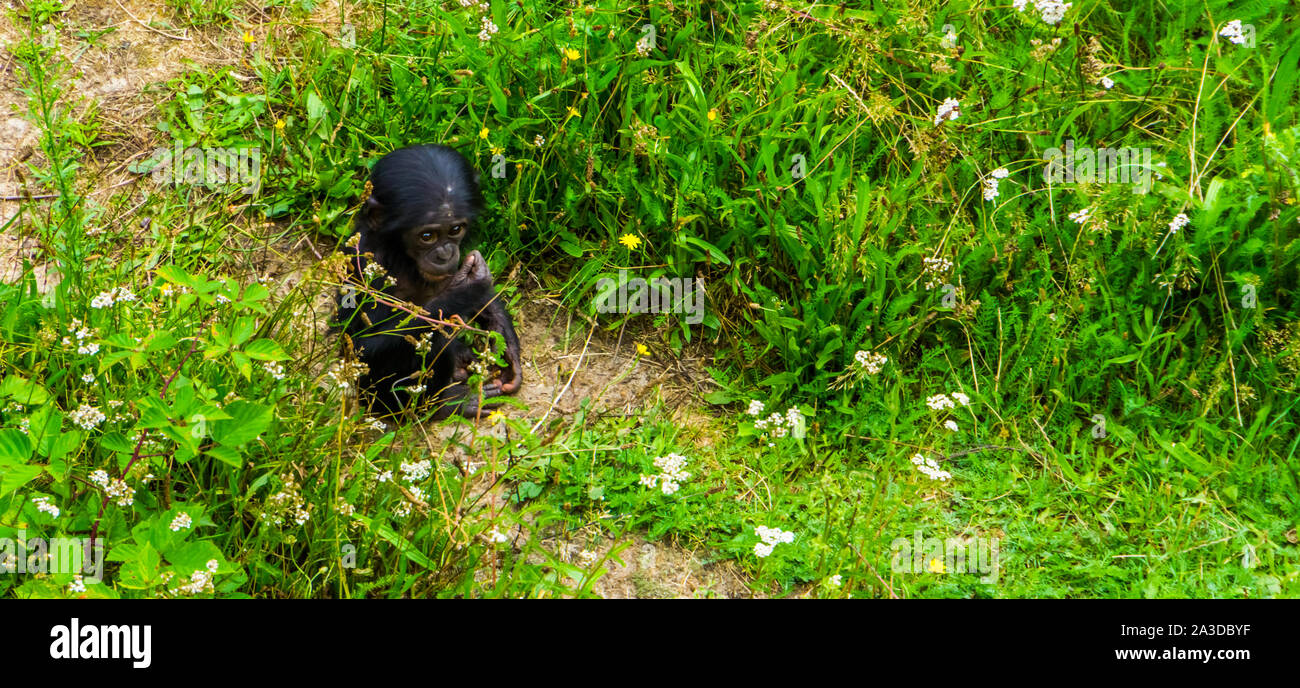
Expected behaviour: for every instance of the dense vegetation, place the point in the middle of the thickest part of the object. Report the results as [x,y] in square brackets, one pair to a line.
[1097,372]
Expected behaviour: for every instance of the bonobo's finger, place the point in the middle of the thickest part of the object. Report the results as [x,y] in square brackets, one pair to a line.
[478,267]
[513,378]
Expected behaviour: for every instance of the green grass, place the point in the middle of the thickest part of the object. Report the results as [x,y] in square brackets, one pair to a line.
[1132,426]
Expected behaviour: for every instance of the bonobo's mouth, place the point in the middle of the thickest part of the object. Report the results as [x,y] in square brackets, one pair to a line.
[434,277]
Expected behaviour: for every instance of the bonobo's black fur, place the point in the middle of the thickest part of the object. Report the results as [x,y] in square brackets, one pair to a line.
[421,209]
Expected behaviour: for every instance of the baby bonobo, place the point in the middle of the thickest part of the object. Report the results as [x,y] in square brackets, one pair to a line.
[421,210]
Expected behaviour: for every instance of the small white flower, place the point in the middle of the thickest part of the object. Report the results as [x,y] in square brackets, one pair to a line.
[43,504]
[1180,220]
[1081,216]
[87,416]
[1052,11]
[755,408]
[961,398]
[948,109]
[1107,82]
[939,402]
[77,585]
[181,522]
[1232,32]
[951,425]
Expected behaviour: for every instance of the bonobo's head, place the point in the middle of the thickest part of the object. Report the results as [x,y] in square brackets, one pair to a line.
[423,203]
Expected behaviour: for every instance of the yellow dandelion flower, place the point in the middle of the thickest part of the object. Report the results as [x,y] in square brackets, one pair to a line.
[495,417]
[572,53]
[248,37]
[713,115]
[641,349]
[573,112]
[631,241]
[279,124]
[936,566]
[484,133]
[497,150]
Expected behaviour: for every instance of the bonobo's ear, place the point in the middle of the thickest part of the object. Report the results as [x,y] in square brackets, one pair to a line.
[374,211]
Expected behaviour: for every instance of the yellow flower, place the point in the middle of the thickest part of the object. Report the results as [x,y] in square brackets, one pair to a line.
[713,115]
[495,417]
[936,566]
[248,37]
[483,134]
[497,150]
[573,112]
[572,53]
[279,124]
[631,241]
[641,349]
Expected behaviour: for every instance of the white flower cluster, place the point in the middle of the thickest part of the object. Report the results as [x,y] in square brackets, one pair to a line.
[274,369]
[286,502]
[991,184]
[939,402]
[643,46]
[771,537]
[100,478]
[488,30]
[871,361]
[1107,83]
[115,295]
[376,424]
[950,108]
[43,504]
[495,536]
[200,581]
[930,468]
[934,270]
[415,472]
[1180,220]
[1051,10]
[181,522]
[82,333]
[118,490]
[755,408]
[342,375]
[87,416]
[1081,216]
[672,474]
[1232,32]
[777,426]
[77,585]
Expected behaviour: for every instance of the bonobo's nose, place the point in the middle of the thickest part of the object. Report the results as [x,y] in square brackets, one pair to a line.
[444,253]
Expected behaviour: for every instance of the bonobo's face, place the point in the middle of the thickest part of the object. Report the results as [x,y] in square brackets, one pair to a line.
[435,247]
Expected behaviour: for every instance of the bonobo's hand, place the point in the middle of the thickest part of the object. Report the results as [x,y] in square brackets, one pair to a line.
[473,271]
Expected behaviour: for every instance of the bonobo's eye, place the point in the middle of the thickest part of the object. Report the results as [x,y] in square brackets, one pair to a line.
[426,237]
[457,230]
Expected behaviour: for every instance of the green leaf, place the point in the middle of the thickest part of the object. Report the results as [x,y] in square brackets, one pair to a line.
[247,421]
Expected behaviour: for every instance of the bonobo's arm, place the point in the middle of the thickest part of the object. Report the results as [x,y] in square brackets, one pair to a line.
[471,295]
